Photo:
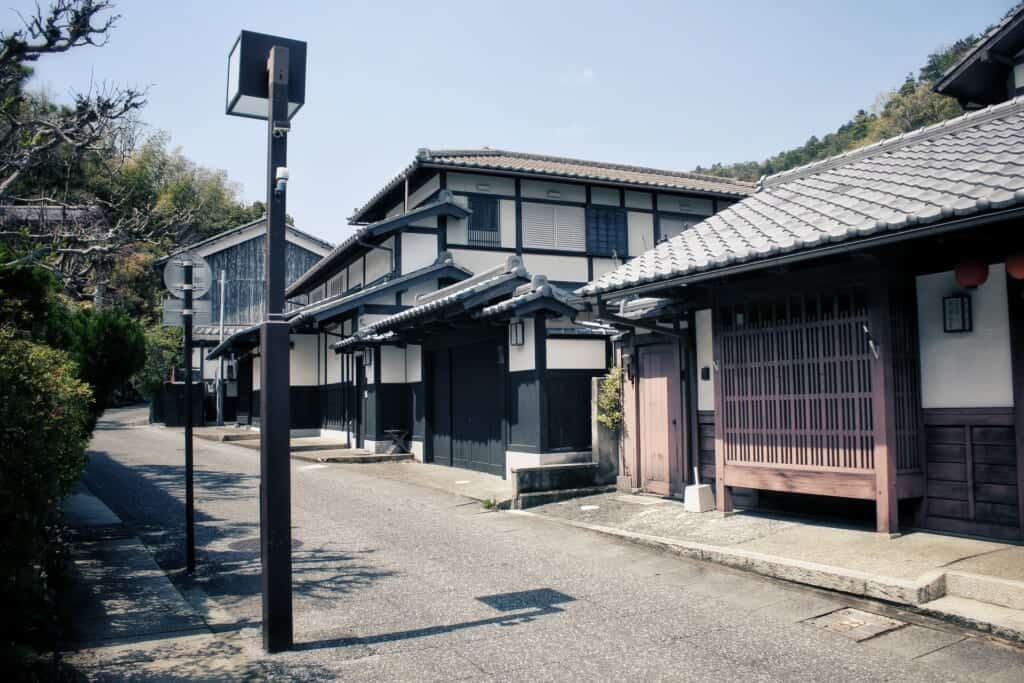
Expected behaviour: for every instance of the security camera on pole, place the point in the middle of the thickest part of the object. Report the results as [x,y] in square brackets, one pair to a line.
[267,80]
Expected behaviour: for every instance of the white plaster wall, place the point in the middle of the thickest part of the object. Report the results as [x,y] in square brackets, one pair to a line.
[478,261]
[418,251]
[432,185]
[605,265]
[302,361]
[458,228]
[368,369]
[333,361]
[679,204]
[481,183]
[378,262]
[557,268]
[576,354]
[409,295]
[604,195]
[367,318]
[544,189]
[413,363]
[255,373]
[641,232]
[705,358]
[392,365]
[355,273]
[967,369]
[507,209]
[522,357]
[417,450]
[639,200]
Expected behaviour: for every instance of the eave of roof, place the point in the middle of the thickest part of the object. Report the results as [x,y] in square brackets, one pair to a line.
[602,172]
[538,294]
[947,82]
[942,177]
[323,270]
[231,232]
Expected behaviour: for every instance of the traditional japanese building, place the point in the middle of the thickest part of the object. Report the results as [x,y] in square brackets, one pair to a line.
[446,322]
[852,330]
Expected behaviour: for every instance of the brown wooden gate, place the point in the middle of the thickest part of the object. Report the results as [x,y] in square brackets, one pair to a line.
[660,420]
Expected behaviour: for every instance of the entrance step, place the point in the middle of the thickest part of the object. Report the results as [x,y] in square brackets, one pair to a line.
[351,456]
[984,588]
[534,499]
[1002,622]
[301,444]
[224,434]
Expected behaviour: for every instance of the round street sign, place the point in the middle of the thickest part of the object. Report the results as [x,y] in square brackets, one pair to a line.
[174,275]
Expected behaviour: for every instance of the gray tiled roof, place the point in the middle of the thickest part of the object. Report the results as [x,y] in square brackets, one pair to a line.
[964,166]
[537,288]
[487,159]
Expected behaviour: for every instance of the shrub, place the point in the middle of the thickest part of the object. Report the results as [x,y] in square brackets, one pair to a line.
[108,347]
[163,349]
[44,429]
[609,400]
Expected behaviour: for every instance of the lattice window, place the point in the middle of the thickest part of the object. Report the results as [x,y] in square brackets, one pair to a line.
[795,380]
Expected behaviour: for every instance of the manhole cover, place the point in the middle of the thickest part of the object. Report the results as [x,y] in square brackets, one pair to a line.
[856,624]
[252,545]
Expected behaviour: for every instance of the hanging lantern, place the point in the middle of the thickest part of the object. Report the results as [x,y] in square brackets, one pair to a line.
[1015,265]
[971,273]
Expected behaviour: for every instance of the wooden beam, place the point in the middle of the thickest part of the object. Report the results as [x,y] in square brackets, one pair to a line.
[1015,305]
[859,485]
[883,406]
[723,494]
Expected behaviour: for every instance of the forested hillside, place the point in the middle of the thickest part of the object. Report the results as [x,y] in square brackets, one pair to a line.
[908,107]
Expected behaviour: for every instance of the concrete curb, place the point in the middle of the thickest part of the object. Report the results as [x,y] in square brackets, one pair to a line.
[901,591]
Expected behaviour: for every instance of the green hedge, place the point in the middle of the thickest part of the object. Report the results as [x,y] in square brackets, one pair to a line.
[44,429]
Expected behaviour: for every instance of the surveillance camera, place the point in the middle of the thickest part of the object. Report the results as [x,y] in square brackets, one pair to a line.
[281,128]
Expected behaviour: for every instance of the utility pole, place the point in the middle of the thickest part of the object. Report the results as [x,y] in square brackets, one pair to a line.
[275,413]
[190,518]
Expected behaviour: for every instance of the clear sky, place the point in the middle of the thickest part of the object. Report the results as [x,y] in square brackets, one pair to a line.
[663,84]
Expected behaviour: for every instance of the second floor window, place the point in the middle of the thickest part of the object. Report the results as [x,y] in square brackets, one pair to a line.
[484,222]
[607,234]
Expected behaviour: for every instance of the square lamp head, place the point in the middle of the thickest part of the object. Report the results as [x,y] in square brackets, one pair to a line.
[248,91]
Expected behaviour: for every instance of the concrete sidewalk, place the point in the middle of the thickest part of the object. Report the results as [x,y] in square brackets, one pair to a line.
[130,623]
[973,582]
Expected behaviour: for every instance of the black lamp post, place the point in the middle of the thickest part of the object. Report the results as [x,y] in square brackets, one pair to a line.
[267,80]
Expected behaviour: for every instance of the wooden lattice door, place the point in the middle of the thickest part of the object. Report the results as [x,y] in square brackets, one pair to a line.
[795,384]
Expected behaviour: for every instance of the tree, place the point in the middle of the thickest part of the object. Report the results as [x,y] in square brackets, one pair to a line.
[108,347]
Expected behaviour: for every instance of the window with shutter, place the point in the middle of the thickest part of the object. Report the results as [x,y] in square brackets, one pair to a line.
[673,225]
[484,222]
[554,226]
[606,231]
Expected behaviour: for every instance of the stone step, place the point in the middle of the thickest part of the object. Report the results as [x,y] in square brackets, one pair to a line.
[984,588]
[1002,622]
[350,456]
[536,498]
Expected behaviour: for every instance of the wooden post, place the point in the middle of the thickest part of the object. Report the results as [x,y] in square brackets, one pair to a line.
[723,494]
[883,406]
[1015,306]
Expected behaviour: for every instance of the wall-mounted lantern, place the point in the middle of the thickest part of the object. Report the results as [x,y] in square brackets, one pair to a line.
[956,313]
[516,333]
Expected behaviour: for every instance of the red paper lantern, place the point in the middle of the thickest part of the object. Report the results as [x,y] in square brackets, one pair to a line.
[971,273]
[1015,265]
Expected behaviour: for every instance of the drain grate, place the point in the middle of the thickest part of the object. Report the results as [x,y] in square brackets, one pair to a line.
[855,624]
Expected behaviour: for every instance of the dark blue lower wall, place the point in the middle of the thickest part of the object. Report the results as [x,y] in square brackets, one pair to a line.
[524,423]
[568,400]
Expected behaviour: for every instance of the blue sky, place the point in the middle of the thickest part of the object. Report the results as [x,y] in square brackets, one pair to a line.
[663,84]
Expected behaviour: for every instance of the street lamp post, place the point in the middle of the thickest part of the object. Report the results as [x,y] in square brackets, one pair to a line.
[266,79]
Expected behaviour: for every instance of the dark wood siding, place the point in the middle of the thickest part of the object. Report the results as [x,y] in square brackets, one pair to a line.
[244,269]
[706,445]
[972,478]
[568,403]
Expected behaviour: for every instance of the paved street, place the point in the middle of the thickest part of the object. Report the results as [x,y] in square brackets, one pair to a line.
[399,582]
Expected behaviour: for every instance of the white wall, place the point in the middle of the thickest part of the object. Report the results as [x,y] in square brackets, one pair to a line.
[638,200]
[418,251]
[641,232]
[409,295]
[458,228]
[355,273]
[605,265]
[604,195]
[333,361]
[413,363]
[545,189]
[705,359]
[302,361]
[557,268]
[256,373]
[478,261]
[392,365]
[425,190]
[508,222]
[522,357]
[966,369]
[576,354]
[378,262]
[680,204]
[481,184]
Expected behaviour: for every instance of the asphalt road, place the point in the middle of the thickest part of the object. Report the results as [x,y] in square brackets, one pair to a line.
[397,582]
